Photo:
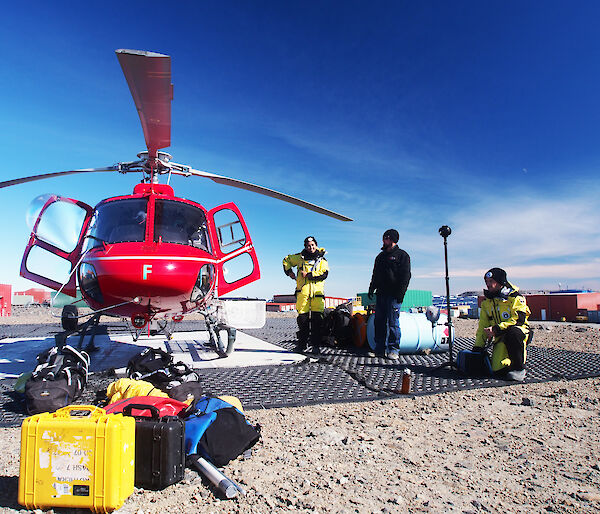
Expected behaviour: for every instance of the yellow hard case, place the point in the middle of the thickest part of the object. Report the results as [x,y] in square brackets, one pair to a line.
[78,456]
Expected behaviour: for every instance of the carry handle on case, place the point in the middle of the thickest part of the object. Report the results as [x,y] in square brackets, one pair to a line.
[154,412]
[80,411]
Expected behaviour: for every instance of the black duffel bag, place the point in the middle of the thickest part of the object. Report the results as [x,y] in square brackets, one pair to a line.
[58,380]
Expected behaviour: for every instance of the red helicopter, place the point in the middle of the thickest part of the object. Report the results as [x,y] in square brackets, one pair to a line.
[150,256]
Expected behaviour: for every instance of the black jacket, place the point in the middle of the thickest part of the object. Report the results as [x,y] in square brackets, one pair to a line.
[391,273]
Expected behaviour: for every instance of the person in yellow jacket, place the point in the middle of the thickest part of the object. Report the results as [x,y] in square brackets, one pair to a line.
[312,270]
[504,319]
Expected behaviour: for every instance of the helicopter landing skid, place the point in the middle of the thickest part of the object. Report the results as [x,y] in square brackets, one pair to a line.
[214,336]
[82,330]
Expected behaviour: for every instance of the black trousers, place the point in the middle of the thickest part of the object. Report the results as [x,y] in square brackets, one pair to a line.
[310,329]
[514,340]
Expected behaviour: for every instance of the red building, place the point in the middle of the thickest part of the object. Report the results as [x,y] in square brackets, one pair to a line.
[560,306]
[40,296]
[5,299]
[556,306]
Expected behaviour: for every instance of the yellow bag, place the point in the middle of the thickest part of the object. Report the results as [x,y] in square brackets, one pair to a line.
[128,388]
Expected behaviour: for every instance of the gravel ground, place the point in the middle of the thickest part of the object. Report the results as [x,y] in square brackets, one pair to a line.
[519,448]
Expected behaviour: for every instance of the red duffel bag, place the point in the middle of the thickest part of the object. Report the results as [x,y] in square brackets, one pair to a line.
[165,406]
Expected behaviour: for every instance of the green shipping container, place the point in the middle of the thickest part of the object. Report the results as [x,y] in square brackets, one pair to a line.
[412,298]
[62,299]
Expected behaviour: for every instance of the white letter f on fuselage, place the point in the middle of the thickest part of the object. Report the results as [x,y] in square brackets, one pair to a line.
[146,270]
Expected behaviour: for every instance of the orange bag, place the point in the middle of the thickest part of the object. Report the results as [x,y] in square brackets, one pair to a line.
[359,329]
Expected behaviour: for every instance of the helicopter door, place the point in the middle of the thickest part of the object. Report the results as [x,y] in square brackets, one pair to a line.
[237,264]
[55,244]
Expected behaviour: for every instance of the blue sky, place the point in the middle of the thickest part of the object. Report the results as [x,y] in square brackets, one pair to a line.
[483,116]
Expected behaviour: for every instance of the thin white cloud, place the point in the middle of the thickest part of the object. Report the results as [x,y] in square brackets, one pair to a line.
[589,269]
[530,237]
[525,229]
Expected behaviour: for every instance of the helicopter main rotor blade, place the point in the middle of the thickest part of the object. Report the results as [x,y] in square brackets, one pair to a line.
[43,176]
[219,179]
[148,75]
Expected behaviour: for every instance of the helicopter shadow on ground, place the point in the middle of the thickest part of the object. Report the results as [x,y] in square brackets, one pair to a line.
[19,355]
[431,371]
[432,365]
[197,351]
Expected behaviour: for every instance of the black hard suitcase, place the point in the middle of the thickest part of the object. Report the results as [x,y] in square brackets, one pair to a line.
[474,364]
[159,448]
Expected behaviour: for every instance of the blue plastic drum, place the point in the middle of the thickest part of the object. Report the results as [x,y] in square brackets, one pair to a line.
[418,333]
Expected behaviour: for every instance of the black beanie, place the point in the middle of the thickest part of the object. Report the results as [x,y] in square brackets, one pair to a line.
[498,274]
[310,238]
[392,234]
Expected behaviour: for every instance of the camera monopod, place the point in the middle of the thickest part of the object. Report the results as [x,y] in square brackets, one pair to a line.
[445,231]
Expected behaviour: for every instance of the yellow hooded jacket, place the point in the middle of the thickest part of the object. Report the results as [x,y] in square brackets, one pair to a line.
[310,290]
[502,313]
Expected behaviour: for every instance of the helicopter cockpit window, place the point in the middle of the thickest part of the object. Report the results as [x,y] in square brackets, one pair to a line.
[181,223]
[119,221]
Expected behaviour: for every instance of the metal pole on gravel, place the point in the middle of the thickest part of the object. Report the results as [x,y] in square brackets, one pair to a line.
[445,231]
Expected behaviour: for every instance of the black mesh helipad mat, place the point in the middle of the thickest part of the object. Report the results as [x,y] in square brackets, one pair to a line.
[339,375]
[385,377]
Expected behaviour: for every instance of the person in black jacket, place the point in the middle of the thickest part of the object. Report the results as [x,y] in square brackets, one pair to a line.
[391,275]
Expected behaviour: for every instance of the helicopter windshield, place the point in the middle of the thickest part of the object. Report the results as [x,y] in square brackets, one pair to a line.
[181,223]
[117,222]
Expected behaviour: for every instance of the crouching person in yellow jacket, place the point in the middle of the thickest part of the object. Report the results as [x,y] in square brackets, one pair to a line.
[312,270]
[504,319]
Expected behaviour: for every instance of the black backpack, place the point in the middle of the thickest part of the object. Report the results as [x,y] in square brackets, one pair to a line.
[157,367]
[58,379]
[218,431]
[228,436]
[336,326]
